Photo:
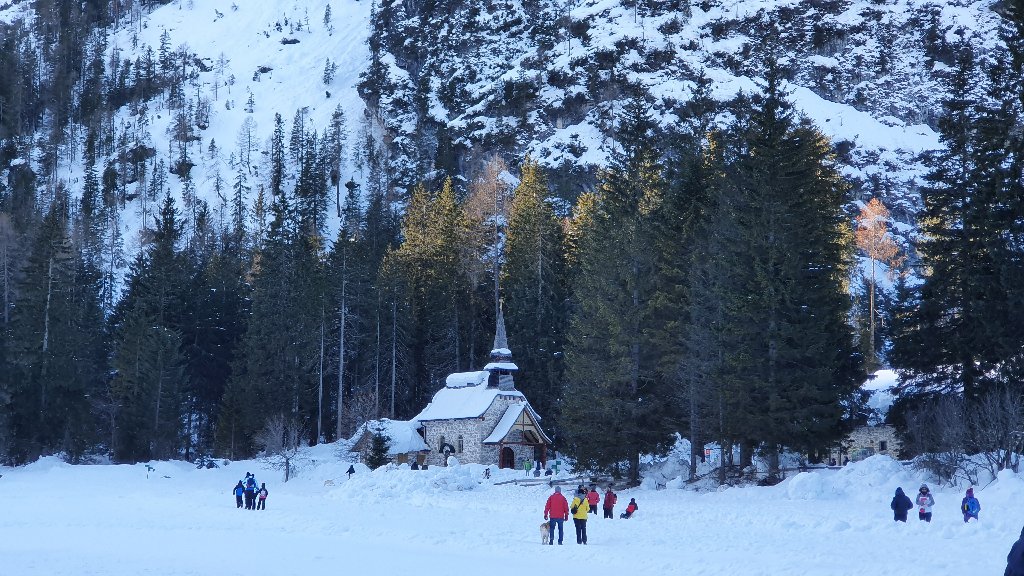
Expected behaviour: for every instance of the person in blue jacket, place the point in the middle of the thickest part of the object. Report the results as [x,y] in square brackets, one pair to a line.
[239,491]
[900,505]
[250,491]
[970,506]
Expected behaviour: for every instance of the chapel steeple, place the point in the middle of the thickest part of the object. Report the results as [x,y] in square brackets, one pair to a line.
[501,366]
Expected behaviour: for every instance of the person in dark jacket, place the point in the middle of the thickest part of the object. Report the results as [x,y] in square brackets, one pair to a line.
[261,503]
[250,491]
[1015,559]
[900,505]
[239,491]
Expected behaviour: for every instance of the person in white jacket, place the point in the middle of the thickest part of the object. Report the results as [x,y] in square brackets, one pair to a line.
[924,502]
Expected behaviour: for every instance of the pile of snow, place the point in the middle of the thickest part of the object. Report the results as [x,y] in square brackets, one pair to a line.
[878,474]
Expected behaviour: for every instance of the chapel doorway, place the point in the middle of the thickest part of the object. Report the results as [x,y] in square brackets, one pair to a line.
[507,459]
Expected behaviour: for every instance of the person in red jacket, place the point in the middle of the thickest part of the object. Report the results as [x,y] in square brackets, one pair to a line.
[556,511]
[593,498]
[630,508]
[609,502]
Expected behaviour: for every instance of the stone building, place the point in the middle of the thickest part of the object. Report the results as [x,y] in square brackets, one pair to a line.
[867,441]
[480,417]
[876,437]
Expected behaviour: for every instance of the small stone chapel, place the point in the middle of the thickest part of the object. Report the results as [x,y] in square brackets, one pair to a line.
[479,417]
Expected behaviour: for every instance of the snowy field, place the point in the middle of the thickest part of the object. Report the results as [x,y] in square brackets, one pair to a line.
[113,520]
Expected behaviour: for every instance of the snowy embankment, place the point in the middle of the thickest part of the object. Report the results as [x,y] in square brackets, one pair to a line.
[112,520]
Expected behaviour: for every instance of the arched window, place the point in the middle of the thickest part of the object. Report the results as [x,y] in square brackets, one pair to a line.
[459,449]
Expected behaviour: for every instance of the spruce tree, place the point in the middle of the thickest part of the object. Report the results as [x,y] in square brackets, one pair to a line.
[56,348]
[535,291]
[952,334]
[789,362]
[615,405]
[150,382]
[426,266]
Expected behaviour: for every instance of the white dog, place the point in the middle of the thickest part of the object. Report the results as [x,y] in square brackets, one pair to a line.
[545,532]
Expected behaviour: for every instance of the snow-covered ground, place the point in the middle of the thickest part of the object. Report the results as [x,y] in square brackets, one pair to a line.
[112,520]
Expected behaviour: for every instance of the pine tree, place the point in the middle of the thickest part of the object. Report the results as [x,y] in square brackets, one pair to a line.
[534,285]
[789,362]
[951,334]
[609,414]
[151,379]
[379,446]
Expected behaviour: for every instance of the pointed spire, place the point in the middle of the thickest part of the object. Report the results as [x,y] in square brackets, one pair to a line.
[500,339]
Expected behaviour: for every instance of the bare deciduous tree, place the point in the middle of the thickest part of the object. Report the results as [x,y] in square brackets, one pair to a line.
[958,440]
[280,439]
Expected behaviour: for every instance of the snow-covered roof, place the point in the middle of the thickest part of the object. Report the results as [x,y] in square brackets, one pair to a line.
[500,366]
[509,419]
[502,351]
[470,401]
[463,379]
[402,434]
[506,423]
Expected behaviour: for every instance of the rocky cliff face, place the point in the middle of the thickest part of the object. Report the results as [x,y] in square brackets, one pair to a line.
[451,81]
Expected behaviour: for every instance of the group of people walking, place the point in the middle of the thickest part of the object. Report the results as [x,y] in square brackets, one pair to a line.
[924,501]
[255,498]
[557,510]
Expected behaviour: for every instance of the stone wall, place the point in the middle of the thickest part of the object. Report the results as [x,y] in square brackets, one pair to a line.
[869,440]
[473,432]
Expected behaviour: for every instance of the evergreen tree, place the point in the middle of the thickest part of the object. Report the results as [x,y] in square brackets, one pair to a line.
[610,414]
[426,266]
[952,333]
[379,446]
[789,362]
[534,284]
[276,368]
[151,381]
[56,347]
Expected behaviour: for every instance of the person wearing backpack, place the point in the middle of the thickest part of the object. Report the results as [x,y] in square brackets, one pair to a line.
[580,507]
[924,503]
[970,506]
[262,503]
[900,505]
[250,491]
[239,491]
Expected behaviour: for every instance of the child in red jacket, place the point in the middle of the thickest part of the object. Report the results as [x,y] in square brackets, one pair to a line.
[630,508]
[593,498]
